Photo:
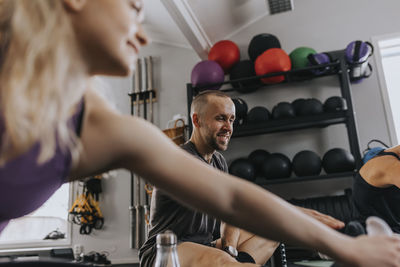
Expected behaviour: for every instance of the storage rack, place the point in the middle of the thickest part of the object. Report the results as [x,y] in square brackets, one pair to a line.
[339,68]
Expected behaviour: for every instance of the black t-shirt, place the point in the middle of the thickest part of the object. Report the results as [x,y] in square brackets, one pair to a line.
[187,224]
[375,201]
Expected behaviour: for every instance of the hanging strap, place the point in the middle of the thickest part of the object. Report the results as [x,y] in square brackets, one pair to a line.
[383,153]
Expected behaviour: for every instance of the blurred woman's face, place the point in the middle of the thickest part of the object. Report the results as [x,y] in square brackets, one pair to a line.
[109,33]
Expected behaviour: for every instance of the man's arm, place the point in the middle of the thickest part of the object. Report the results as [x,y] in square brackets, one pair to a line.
[229,235]
[325,219]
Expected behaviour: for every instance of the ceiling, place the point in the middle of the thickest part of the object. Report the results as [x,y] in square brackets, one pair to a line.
[198,24]
[160,27]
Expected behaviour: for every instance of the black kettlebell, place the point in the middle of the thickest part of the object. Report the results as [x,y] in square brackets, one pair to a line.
[243,168]
[276,166]
[335,103]
[306,163]
[338,160]
[257,157]
[258,114]
[244,69]
[310,107]
[283,110]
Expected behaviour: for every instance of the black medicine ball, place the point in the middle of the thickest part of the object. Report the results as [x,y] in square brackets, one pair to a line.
[283,110]
[309,107]
[258,114]
[297,104]
[240,111]
[354,228]
[243,168]
[244,69]
[276,166]
[338,160]
[257,157]
[260,43]
[306,163]
[335,103]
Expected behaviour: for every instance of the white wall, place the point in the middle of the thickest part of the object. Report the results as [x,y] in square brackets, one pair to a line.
[321,24]
[325,26]
[172,66]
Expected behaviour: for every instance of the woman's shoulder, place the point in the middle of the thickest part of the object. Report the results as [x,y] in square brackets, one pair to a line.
[381,170]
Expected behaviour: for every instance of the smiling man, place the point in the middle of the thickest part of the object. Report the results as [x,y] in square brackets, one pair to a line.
[202,240]
[199,242]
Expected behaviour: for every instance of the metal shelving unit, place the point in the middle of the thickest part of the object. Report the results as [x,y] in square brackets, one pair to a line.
[338,68]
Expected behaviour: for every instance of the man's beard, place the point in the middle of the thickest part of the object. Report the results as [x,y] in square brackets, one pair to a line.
[212,142]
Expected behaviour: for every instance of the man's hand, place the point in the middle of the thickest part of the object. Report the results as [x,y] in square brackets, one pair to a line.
[325,219]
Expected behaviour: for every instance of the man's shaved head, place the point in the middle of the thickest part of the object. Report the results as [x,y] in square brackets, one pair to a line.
[201,101]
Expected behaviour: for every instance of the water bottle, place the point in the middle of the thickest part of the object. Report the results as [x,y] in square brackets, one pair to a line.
[166,250]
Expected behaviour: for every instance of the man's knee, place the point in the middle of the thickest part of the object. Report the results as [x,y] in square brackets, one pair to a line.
[216,257]
[191,254]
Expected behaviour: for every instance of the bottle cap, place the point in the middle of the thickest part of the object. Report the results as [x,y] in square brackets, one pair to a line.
[166,238]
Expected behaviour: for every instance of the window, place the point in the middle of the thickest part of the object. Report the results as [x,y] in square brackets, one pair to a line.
[30,230]
[387,55]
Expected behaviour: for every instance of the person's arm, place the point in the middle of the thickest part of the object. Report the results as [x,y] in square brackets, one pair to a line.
[111,140]
[229,235]
[325,219]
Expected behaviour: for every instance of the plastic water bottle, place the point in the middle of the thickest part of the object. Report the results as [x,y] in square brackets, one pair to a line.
[166,250]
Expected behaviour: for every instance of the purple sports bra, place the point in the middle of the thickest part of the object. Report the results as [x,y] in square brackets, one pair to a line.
[25,185]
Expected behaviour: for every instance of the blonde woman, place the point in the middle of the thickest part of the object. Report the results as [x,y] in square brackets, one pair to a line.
[51,119]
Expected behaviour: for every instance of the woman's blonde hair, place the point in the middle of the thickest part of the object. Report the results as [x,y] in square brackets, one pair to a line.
[41,77]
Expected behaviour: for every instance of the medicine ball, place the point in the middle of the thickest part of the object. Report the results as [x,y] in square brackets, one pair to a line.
[257,157]
[207,72]
[335,103]
[258,114]
[310,107]
[306,163]
[338,160]
[244,69]
[276,166]
[319,59]
[299,57]
[261,43]
[226,53]
[240,108]
[272,60]
[243,168]
[297,104]
[240,111]
[354,228]
[283,110]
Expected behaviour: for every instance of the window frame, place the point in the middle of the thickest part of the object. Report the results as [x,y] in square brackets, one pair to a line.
[375,40]
[33,245]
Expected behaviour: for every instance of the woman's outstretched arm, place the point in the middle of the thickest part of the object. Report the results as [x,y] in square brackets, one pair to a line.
[111,140]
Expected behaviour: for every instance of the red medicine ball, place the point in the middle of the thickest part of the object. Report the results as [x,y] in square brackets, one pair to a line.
[272,60]
[226,53]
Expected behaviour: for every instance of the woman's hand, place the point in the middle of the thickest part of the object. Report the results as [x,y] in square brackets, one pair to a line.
[373,251]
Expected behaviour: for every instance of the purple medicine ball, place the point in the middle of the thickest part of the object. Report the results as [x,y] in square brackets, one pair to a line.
[207,72]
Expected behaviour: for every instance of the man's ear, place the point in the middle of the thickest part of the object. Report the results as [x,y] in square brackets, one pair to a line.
[75,5]
[196,120]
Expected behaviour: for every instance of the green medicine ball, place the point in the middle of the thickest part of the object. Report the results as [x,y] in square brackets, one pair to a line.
[299,57]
